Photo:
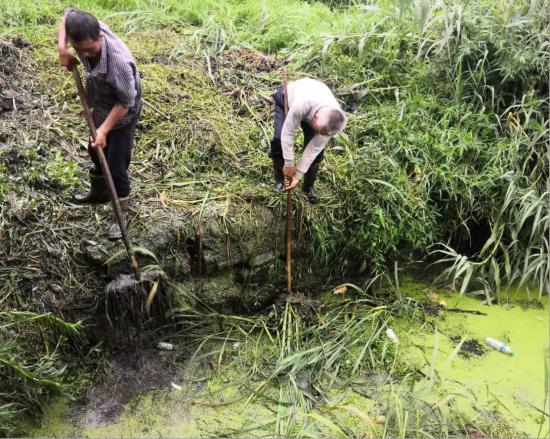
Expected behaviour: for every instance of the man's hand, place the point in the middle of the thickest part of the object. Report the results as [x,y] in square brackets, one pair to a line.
[67,59]
[288,172]
[100,139]
[291,184]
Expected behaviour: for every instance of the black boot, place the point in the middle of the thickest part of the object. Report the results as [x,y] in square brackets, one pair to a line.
[278,172]
[98,194]
[114,229]
[309,181]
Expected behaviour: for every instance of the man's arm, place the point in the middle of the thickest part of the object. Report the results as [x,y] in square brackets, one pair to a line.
[116,114]
[292,122]
[124,85]
[312,150]
[66,58]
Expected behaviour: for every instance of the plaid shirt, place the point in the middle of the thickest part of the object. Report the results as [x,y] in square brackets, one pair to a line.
[113,80]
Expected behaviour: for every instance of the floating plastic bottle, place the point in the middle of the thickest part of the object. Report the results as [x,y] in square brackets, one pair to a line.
[499,346]
[391,335]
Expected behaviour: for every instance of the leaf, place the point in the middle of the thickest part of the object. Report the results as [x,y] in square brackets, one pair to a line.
[487,244]
[466,280]
[496,274]
[145,252]
[335,430]
[385,183]
[114,256]
[326,46]
[342,289]
[455,351]
[151,296]
[361,49]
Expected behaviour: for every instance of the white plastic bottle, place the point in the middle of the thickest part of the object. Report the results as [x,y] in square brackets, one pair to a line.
[499,346]
[164,346]
[391,335]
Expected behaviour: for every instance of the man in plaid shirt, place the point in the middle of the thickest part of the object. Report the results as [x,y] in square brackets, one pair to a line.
[114,93]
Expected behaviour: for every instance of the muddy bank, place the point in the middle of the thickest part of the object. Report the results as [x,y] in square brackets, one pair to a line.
[55,253]
[130,372]
[15,94]
[203,206]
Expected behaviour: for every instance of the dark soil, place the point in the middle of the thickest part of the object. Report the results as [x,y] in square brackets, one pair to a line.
[431,308]
[14,87]
[246,62]
[233,71]
[130,373]
[307,307]
[475,433]
[471,348]
[530,304]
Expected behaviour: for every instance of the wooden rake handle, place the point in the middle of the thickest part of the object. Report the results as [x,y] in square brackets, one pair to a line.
[288,226]
[107,175]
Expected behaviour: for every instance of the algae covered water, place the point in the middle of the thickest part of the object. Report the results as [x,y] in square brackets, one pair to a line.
[514,389]
[461,379]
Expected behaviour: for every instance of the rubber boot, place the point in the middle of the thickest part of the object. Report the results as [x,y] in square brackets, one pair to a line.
[309,181]
[279,177]
[114,229]
[98,193]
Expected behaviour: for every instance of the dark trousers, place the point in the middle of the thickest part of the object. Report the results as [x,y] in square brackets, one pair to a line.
[276,151]
[118,153]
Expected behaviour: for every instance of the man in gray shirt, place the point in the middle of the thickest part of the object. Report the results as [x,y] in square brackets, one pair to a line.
[114,93]
[313,107]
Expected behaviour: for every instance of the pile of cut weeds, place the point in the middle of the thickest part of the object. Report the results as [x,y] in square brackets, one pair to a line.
[40,266]
[14,90]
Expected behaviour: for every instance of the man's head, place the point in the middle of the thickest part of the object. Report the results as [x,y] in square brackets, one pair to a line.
[329,121]
[83,31]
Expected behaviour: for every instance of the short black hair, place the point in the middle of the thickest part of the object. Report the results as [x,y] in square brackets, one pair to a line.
[81,25]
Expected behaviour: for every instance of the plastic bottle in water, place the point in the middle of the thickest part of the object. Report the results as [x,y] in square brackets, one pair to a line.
[391,335]
[499,346]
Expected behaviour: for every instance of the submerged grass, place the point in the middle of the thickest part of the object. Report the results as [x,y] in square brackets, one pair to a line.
[296,353]
[331,370]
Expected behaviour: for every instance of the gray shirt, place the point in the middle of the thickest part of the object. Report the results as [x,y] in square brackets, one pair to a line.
[305,97]
[114,79]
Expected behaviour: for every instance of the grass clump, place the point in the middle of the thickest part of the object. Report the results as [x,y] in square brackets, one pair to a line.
[34,349]
[296,354]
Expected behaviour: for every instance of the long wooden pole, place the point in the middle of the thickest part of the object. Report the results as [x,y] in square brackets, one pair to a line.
[107,175]
[288,227]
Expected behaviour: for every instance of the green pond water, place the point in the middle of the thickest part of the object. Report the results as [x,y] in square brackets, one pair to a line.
[480,382]
[513,386]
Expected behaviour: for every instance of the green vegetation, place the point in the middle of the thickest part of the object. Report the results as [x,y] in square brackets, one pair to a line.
[34,350]
[444,160]
[448,120]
